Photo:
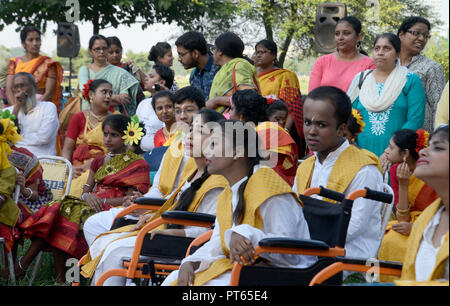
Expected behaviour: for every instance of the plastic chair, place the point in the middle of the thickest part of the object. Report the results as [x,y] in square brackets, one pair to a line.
[151,259]
[57,174]
[324,219]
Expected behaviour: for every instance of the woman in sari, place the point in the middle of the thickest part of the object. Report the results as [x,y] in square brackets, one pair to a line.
[426,258]
[280,84]
[10,213]
[58,225]
[84,137]
[125,86]
[236,72]
[412,195]
[48,73]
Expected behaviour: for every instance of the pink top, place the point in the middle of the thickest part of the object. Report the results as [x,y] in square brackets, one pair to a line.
[329,71]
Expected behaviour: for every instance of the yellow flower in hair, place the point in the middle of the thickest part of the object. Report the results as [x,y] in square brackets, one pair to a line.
[361,124]
[133,134]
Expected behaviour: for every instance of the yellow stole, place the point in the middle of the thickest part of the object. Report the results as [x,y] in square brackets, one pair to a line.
[214,181]
[409,270]
[170,166]
[263,184]
[344,170]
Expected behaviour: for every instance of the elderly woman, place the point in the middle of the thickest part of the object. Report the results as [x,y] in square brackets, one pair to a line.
[414,33]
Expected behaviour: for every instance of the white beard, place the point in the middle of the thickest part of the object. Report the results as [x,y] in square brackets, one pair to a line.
[29,104]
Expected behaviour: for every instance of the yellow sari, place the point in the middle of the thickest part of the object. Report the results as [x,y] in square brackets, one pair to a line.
[89,145]
[41,67]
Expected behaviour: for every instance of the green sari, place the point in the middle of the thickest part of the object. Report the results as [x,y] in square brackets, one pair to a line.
[122,82]
[235,73]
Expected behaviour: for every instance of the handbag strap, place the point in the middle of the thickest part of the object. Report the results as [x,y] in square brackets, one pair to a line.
[362,78]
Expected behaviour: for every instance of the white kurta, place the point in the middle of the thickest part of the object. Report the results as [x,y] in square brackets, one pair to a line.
[282,217]
[39,128]
[364,232]
[426,255]
[116,251]
[152,124]
[101,222]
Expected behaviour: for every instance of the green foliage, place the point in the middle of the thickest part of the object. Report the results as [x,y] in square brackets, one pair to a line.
[111,13]
[437,50]
[291,22]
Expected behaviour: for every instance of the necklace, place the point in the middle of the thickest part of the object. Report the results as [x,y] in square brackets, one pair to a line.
[110,154]
[98,118]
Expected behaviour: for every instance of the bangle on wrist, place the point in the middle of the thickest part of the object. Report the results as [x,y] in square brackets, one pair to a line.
[31,193]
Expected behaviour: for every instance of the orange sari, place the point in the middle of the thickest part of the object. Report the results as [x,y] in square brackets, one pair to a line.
[277,140]
[41,67]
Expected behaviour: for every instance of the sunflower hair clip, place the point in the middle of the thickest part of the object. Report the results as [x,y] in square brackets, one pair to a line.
[133,133]
[422,140]
[86,88]
[359,121]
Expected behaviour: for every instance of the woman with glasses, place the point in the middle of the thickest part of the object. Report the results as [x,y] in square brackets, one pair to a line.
[414,34]
[125,86]
[280,84]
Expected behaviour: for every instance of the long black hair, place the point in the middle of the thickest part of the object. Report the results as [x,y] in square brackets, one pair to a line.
[188,195]
[251,145]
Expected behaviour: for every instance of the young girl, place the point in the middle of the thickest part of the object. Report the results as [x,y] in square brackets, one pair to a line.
[247,211]
[58,225]
[427,252]
[412,195]
[197,192]
[280,150]
[277,111]
[84,137]
[163,104]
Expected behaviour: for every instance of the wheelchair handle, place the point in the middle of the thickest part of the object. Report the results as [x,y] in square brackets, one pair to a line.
[324,192]
[150,201]
[370,194]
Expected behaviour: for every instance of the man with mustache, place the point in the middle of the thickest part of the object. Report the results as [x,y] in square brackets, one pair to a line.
[37,120]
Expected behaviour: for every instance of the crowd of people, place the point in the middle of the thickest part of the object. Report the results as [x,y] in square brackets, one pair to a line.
[367,121]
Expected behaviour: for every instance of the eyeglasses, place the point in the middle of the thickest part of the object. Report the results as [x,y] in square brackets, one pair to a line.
[212,48]
[261,52]
[416,34]
[104,49]
[183,54]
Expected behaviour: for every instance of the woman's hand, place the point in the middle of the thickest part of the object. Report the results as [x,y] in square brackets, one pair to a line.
[20,180]
[403,174]
[385,163]
[186,274]
[94,202]
[143,219]
[169,232]
[403,228]
[241,250]
[77,171]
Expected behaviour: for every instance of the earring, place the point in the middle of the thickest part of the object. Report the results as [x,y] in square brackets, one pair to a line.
[358,46]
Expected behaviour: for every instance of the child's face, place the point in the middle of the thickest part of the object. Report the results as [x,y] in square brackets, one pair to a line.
[393,153]
[184,111]
[320,128]
[164,110]
[101,98]
[279,116]
[112,139]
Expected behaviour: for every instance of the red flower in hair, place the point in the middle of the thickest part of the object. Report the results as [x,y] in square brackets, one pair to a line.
[86,88]
[422,140]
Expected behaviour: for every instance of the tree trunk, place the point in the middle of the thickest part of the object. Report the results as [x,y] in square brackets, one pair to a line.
[96,24]
[285,47]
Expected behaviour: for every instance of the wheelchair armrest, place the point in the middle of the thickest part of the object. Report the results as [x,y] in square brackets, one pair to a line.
[189,216]
[364,262]
[150,201]
[294,243]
